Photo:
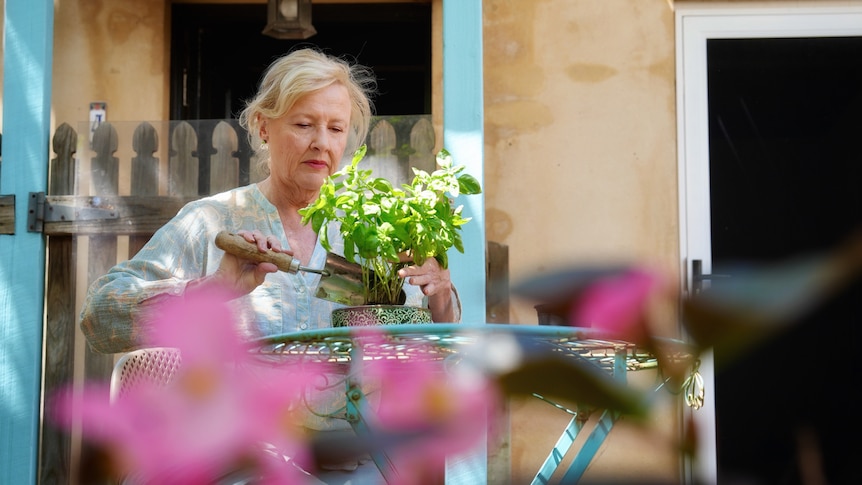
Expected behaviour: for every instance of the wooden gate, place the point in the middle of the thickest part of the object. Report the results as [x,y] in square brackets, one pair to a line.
[110,188]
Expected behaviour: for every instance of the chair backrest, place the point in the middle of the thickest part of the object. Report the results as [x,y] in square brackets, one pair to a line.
[156,365]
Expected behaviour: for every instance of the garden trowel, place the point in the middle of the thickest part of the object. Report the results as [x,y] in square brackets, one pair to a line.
[340,280]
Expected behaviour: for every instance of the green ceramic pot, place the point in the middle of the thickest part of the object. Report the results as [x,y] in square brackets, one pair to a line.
[365,315]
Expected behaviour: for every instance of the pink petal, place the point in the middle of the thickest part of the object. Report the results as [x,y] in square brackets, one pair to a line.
[617,304]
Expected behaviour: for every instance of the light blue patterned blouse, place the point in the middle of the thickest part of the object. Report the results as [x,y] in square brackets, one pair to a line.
[184,249]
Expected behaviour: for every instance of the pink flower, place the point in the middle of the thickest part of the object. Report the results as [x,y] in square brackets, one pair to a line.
[439,409]
[223,411]
[618,304]
[202,324]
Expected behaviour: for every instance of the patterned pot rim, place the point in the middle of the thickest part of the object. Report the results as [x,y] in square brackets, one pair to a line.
[369,315]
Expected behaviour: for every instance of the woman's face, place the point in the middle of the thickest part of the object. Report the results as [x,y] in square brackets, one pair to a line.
[307,143]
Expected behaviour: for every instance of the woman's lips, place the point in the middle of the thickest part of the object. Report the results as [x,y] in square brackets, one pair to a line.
[318,164]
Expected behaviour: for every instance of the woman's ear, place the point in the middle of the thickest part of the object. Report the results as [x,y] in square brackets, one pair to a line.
[262,129]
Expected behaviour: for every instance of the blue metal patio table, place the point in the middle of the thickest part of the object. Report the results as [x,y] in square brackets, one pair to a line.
[411,342]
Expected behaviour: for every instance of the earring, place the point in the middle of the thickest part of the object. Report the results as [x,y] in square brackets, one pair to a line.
[262,144]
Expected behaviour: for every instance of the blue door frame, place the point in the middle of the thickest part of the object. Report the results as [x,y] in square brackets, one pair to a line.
[463,136]
[27,57]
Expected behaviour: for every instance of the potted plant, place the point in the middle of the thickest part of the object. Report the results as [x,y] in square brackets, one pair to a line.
[385,228]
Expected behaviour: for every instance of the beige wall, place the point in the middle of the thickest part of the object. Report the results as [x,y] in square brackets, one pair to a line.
[580,133]
[114,52]
[580,168]
[580,163]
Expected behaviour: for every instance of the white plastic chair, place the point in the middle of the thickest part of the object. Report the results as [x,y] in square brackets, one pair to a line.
[157,365]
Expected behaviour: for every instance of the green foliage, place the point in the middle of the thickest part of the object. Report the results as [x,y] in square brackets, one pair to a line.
[381,223]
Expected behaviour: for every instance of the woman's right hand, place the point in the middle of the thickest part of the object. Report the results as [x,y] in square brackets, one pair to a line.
[239,275]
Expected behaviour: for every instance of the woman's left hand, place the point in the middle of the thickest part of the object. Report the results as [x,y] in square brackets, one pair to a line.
[429,277]
[436,284]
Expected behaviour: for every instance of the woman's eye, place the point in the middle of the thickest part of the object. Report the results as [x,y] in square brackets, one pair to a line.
[303,125]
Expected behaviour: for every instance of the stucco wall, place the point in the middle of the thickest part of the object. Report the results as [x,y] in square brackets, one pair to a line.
[580,132]
[112,51]
[580,168]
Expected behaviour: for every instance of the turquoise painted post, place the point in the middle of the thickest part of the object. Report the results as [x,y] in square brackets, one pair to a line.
[28,49]
[463,136]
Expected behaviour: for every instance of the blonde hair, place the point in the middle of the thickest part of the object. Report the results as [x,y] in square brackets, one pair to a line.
[303,71]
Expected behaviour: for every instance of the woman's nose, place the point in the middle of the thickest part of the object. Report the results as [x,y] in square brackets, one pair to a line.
[320,140]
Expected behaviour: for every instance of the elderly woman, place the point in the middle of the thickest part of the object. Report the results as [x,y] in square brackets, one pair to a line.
[310,107]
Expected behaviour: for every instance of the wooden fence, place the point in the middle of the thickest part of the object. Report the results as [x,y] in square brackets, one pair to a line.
[111,187]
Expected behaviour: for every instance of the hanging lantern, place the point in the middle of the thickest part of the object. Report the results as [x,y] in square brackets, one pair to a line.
[289,19]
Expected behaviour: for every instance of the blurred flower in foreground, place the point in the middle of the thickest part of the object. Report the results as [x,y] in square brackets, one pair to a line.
[220,413]
[622,304]
[758,303]
[430,409]
[618,303]
[732,318]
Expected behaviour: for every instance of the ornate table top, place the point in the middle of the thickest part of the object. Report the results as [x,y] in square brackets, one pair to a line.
[438,341]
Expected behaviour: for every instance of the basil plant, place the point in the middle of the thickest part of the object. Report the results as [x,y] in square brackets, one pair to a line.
[386,228]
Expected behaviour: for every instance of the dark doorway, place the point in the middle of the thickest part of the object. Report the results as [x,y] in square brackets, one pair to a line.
[785,169]
[218,53]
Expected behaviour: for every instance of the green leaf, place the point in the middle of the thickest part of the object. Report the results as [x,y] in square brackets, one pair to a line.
[317,220]
[370,209]
[346,199]
[386,229]
[358,155]
[458,243]
[349,249]
[469,185]
[324,239]
[381,185]
[444,158]
[460,221]
[389,253]
[443,259]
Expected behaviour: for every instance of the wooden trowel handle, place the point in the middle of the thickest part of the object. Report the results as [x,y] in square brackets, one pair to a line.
[238,246]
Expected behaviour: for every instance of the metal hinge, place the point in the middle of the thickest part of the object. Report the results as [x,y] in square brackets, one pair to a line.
[40,210]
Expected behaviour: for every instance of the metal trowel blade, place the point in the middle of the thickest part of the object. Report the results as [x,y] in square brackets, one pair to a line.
[341,282]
